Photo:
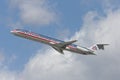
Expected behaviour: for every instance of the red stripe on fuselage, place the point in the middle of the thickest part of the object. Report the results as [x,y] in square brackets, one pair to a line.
[46,39]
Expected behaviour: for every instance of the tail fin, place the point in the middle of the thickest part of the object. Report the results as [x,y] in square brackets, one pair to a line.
[98,47]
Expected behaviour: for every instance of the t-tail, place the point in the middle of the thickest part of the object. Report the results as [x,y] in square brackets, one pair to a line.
[96,47]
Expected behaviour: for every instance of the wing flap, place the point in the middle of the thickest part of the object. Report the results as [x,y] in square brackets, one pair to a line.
[61,46]
[58,49]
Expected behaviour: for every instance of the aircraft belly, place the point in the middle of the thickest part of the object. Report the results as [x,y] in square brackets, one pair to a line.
[73,50]
[80,51]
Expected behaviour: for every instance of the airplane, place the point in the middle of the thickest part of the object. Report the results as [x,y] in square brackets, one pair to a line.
[58,45]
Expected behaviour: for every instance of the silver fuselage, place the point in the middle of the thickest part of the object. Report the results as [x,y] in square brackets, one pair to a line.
[50,41]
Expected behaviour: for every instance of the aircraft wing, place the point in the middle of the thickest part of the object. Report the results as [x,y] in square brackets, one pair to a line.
[58,49]
[62,45]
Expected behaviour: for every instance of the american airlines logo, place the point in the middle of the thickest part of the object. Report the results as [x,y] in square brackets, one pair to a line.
[94,47]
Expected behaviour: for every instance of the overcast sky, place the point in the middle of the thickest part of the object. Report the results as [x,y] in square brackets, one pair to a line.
[88,21]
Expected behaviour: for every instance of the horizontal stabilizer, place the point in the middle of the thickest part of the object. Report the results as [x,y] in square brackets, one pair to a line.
[101,46]
[98,47]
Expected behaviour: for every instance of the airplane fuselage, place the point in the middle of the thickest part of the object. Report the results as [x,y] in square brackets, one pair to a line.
[50,41]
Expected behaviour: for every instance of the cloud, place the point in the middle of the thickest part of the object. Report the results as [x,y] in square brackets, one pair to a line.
[35,12]
[106,65]
[49,64]
[102,30]
[7,75]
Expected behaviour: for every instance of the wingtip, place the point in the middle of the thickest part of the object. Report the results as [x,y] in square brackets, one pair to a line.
[106,44]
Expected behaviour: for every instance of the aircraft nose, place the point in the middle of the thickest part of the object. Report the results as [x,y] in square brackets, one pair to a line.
[12,32]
